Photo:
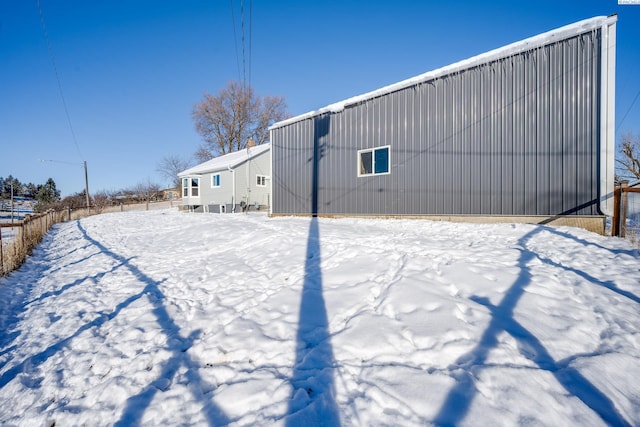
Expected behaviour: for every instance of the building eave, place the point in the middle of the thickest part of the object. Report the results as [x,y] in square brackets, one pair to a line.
[222,163]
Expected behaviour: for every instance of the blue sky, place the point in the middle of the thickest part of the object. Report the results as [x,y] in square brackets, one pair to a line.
[131,70]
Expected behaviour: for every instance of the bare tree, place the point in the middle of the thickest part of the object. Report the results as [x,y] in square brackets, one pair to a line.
[628,164]
[101,199]
[229,119]
[170,166]
[146,191]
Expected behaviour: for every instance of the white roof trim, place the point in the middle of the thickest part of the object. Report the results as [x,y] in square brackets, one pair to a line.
[227,161]
[607,116]
[530,43]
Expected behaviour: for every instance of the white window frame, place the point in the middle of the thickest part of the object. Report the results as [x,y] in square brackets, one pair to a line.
[185,187]
[373,161]
[264,180]
[213,185]
[196,187]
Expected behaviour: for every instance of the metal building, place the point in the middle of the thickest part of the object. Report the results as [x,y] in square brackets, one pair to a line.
[524,132]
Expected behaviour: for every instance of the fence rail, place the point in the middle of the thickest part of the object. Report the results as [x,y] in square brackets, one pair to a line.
[31,230]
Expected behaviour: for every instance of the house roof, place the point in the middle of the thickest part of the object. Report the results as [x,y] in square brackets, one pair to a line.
[227,161]
[530,43]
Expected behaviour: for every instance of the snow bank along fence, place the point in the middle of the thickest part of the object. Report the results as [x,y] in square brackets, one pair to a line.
[31,230]
[626,212]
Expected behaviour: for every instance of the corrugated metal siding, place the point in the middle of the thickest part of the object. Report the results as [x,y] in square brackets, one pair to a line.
[517,136]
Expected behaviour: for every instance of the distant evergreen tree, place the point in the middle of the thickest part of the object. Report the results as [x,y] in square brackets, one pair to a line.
[47,195]
[18,188]
[31,190]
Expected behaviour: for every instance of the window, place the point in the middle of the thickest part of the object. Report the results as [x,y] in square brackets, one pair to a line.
[374,161]
[190,185]
[261,180]
[215,180]
[195,182]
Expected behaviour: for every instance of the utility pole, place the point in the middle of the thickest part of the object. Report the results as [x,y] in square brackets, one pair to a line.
[86,184]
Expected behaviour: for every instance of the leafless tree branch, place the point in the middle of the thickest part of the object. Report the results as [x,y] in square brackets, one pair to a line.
[628,162]
[229,119]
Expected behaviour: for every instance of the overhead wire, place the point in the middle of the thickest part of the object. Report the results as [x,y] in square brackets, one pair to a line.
[55,71]
[628,110]
[250,36]
[235,37]
[244,67]
[246,61]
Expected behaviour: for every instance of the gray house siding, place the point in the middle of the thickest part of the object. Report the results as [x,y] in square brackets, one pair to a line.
[247,190]
[515,136]
[217,195]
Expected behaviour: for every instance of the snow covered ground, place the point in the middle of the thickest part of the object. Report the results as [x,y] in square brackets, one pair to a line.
[169,318]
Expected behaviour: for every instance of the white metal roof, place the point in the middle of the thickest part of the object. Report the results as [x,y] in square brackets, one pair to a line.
[230,160]
[530,43]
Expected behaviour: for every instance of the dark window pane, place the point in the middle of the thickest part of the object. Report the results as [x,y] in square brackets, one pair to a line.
[382,160]
[366,166]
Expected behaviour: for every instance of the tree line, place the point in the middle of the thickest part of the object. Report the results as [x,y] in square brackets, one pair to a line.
[20,189]
[42,193]
[47,196]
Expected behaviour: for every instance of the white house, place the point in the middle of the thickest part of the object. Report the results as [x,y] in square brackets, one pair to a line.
[230,183]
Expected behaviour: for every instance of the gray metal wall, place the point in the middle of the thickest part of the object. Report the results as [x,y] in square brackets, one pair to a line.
[517,136]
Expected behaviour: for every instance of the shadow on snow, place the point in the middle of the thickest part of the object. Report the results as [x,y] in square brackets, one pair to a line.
[137,405]
[312,380]
[459,399]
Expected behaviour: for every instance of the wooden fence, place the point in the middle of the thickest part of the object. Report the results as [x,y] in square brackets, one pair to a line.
[29,233]
[619,223]
[31,230]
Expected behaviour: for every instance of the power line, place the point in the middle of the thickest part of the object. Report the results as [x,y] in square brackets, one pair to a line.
[235,38]
[244,68]
[55,71]
[250,35]
[628,110]
[246,61]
